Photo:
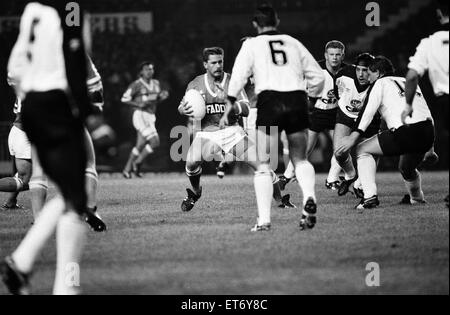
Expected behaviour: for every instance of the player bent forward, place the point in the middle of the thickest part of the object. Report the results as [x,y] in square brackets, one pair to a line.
[410,141]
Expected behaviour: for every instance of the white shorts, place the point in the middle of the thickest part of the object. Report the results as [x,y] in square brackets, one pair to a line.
[144,123]
[19,145]
[226,139]
[250,121]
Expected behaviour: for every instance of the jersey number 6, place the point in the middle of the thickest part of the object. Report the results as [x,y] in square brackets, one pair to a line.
[278,55]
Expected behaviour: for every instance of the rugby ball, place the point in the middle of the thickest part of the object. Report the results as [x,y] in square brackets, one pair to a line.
[197,102]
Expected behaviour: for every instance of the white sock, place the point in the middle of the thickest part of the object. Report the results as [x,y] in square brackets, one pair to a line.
[367,169]
[414,188]
[306,177]
[290,170]
[44,227]
[335,171]
[70,240]
[348,168]
[264,191]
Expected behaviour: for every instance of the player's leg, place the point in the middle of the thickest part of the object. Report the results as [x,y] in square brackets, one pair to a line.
[345,161]
[367,168]
[411,176]
[134,154]
[289,172]
[151,145]
[16,184]
[38,185]
[306,176]
[194,161]
[91,178]
[333,181]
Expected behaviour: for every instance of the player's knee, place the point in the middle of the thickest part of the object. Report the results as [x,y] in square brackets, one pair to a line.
[91,172]
[136,150]
[408,173]
[39,183]
[193,169]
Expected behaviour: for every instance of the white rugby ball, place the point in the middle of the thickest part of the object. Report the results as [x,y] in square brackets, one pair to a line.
[197,102]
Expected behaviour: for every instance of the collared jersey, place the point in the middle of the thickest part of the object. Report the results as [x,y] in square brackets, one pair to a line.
[387,96]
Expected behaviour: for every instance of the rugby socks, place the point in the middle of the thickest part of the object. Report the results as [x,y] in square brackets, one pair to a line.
[367,168]
[357,184]
[414,188]
[290,170]
[194,178]
[71,237]
[276,188]
[133,156]
[335,171]
[44,227]
[91,187]
[38,189]
[264,191]
[306,177]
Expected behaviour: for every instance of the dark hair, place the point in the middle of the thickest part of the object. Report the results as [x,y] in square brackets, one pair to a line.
[143,64]
[383,65]
[335,44]
[364,59]
[443,6]
[212,51]
[265,15]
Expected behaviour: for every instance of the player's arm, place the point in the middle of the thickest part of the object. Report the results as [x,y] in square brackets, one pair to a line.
[313,73]
[418,65]
[129,96]
[242,70]
[18,61]
[372,103]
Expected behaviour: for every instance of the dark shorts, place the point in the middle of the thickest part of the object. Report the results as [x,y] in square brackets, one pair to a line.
[59,140]
[441,109]
[345,120]
[286,110]
[322,120]
[417,138]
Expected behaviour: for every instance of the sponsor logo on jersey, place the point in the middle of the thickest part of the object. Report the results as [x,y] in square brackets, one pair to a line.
[215,108]
[355,106]
[331,98]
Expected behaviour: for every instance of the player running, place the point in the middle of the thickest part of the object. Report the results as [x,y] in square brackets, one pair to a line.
[410,141]
[144,95]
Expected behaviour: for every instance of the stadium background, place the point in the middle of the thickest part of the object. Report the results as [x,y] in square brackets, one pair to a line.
[179,32]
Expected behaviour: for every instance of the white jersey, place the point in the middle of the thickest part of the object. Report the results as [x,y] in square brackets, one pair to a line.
[351,96]
[387,96]
[277,62]
[328,99]
[40,36]
[432,55]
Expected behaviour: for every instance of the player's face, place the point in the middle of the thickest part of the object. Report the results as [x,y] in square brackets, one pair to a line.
[147,72]
[373,75]
[334,57]
[214,66]
[362,74]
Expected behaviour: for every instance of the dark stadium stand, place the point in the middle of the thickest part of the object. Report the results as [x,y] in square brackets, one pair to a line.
[183,28]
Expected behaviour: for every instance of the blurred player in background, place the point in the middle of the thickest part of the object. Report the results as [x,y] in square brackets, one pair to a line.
[408,138]
[323,116]
[144,95]
[432,56]
[48,60]
[282,69]
[20,150]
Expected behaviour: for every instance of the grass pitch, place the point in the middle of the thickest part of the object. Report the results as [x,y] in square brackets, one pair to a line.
[153,248]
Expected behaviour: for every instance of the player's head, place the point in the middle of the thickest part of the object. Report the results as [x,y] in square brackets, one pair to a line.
[380,67]
[213,61]
[334,53]
[265,17]
[362,63]
[146,70]
[442,11]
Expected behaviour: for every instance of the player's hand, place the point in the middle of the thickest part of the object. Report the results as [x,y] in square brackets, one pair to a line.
[223,122]
[185,109]
[407,112]
[163,95]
